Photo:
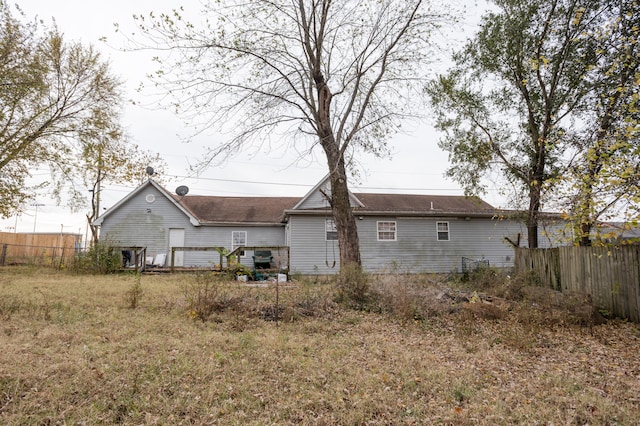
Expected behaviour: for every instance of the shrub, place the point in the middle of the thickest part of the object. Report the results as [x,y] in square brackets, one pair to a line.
[238,269]
[498,283]
[101,258]
[411,297]
[205,295]
[353,287]
[483,276]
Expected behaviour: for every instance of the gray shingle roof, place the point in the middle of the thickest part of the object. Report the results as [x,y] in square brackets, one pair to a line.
[214,209]
[422,203]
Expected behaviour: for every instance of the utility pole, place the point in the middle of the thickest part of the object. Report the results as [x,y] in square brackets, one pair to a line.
[35,217]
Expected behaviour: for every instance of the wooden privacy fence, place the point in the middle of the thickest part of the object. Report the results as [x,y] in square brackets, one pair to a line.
[40,249]
[610,275]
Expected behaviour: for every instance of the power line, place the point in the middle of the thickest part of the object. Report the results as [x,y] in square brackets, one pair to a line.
[128,188]
[384,188]
[310,185]
[406,189]
[243,181]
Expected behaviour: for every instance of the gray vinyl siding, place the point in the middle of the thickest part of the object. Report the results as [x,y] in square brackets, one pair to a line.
[416,248]
[554,233]
[132,225]
[315,200]
[141,224]
[310,252]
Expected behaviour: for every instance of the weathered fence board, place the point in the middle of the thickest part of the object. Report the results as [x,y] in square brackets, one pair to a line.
[37,248]
[610,275]
[545,263]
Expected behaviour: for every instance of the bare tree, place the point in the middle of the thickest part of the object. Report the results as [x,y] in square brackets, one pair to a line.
[106,158]
[339,74]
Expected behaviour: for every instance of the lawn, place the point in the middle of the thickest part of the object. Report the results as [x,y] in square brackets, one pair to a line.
[187,349]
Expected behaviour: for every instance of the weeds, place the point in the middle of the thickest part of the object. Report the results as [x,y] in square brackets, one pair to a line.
[421,353]
[205,295]
[208,295]
[45,307]
[462,393]
[238,269]
[9,306]
[101,258]
[353,289]
[134,294]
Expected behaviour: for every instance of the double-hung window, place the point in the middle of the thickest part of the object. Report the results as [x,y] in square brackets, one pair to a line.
[238,239]
[386,231]
[442,230]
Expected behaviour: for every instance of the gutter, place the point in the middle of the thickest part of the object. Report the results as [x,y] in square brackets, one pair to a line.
[242,224]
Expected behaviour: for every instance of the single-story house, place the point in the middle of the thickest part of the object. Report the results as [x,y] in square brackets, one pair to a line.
[408,233]
[617,233]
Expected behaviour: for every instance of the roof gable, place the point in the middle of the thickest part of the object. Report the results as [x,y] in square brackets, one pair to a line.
[149,183]
[316,198]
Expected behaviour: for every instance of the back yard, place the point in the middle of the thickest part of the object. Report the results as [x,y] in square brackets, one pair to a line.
[187,349]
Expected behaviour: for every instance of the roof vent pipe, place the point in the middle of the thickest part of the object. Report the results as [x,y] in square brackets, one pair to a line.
[432,205]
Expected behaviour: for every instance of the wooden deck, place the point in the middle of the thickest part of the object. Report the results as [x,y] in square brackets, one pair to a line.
[227,260]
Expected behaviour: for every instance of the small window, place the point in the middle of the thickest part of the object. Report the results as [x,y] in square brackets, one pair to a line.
[330,230]
[442,228]
[238,239]
[386,231]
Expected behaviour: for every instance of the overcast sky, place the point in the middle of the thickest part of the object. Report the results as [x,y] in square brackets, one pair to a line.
[417,165]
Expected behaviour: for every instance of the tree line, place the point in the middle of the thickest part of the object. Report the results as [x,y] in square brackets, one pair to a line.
[545,94]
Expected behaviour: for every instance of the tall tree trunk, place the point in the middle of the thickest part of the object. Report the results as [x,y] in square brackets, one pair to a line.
[343,216]
[532,217]
[585,200]
[535,194]
[595,158]
[95,203]
[585,232]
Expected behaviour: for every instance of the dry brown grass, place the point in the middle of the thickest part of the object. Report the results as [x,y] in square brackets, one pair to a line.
[75,352]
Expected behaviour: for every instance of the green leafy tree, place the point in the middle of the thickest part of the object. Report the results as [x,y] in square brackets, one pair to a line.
[338,74]
[22,86]
[513,97]
[605,178]
[52,92]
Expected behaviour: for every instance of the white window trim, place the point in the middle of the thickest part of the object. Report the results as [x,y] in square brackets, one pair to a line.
[438,231]
[327,230]
[395,230]
[233,244]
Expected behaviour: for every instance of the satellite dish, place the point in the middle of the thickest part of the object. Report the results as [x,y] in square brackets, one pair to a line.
[182,190]
[150,171]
